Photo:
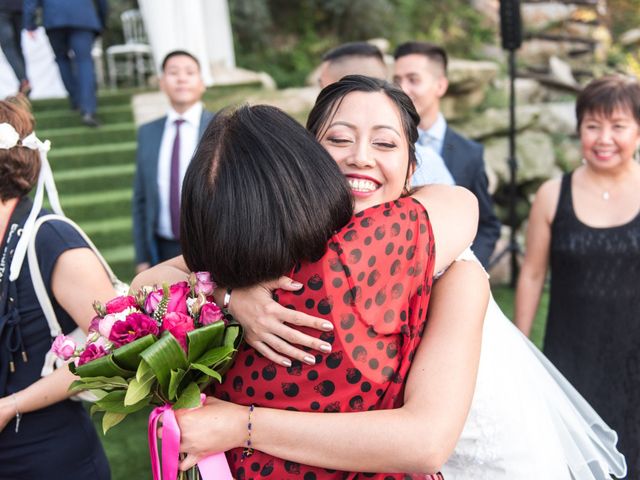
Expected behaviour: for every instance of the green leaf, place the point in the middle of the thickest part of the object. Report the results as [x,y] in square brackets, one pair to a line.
[101,367]
[215,356]
[143,371]
[95,409]
[140,386]
[232,338]
[88,383]
[202,339]
[163,356]
[111,419]
[128,356]
[207,370]
[176,377]
[98,393]
[189,398]
[114,402]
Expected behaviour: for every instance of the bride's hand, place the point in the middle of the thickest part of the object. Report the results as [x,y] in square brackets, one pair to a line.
[266,323]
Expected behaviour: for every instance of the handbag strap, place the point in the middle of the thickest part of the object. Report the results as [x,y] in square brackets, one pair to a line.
[36,275]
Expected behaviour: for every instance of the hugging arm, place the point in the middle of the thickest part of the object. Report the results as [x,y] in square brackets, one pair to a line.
[423,431]
[265,323]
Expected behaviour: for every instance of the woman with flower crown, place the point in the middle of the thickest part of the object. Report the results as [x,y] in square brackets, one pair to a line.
[43,434]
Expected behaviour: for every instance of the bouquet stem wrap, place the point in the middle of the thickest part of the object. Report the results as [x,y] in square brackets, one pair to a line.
[213,467]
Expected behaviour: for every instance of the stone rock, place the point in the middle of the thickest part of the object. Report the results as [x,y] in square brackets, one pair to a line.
[470,75]
[295,101]
[528,90]
[534,153]
[490,10]
[561,71]
[557,118]
[539,16]
[569,154]
[495,121]
[630,37]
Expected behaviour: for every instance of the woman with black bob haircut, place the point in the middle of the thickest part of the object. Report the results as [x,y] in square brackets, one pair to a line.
[270,194]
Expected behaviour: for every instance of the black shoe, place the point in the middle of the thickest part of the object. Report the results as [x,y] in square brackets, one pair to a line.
[90,120]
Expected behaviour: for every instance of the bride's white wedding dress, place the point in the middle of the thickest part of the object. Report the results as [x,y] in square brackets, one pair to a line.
[526,420]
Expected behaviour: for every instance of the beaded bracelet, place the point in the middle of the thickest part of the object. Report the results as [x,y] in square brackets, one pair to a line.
[248,449]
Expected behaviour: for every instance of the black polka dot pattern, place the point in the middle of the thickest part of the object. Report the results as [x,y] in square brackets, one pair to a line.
[373,285]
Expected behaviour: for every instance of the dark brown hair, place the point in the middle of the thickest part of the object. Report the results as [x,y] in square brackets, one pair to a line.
[433,52]
[260,195]
[19,166]
[606,94]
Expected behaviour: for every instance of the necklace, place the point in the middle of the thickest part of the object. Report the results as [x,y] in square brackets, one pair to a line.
[606,196]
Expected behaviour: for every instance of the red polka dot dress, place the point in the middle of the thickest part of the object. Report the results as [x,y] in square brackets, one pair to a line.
[373,284]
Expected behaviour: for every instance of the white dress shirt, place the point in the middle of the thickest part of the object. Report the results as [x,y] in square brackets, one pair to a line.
[431,167]
[188,141]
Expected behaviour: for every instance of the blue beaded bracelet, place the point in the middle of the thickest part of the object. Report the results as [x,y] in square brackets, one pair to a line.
[248,449]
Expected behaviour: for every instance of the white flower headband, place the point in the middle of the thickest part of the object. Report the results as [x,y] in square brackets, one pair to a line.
[10,138]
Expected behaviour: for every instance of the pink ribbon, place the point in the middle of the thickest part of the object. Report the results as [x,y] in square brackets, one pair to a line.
[213,467]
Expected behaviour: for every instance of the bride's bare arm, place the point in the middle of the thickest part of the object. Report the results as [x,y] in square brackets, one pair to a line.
[266,323]
[423,432]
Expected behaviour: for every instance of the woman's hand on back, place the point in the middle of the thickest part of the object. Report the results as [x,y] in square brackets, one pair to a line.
[268,326]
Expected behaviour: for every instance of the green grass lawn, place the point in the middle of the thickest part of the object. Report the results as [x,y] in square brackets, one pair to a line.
[126,444]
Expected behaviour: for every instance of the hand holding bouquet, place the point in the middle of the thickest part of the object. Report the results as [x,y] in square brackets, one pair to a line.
[158,347]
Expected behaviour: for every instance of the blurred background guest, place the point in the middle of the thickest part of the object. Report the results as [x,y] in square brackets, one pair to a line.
[11,40]
[72,27]
[586,225]
[421,71]
[353,58]
[165,147]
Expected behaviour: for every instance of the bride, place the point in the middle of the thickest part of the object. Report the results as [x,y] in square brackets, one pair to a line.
[525,421]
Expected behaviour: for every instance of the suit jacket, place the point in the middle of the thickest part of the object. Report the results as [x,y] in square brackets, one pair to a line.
[464,159]
[145,203]
[84,14]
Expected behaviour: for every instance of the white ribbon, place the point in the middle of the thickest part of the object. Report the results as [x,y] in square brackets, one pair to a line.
[9,139]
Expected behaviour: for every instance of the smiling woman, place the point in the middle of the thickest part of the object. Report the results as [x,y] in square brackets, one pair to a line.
[586,225]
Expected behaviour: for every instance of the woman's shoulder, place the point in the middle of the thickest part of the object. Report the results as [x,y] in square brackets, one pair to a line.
[55,236]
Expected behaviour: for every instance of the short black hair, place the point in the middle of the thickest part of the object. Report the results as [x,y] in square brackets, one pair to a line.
[433,52]
[331,97]
[259,196]
[608,93]
[353,49]
[179,53]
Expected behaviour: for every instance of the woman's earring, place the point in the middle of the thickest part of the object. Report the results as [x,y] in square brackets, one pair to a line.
[584,161]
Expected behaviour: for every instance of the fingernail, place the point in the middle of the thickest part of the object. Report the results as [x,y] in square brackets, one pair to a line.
[325,348]
[310,360]
[286,363]
[327,326]
[295,284]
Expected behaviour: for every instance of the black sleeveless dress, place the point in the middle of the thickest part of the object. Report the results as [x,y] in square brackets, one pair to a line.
[593,329]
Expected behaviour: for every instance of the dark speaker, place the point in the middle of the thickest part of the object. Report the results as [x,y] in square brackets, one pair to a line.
[510,24]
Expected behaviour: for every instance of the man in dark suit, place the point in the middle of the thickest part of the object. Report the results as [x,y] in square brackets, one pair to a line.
[165,148]
[72,26]
[421,71]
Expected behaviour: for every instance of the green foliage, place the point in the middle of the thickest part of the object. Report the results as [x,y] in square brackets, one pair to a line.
[287,39]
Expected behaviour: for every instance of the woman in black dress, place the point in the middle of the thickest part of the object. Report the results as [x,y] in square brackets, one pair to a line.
[43,434]
[586,225]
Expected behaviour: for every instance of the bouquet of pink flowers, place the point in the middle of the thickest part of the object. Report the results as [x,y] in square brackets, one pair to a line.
[158,347]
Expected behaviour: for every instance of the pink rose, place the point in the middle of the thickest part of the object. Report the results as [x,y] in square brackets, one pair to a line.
[178,293]
[63,347]
[204,284]
[106,324]
[152,301]
[178,324]
[95,324]
[92,352]
[210,313]
[136,325]
[119,304]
